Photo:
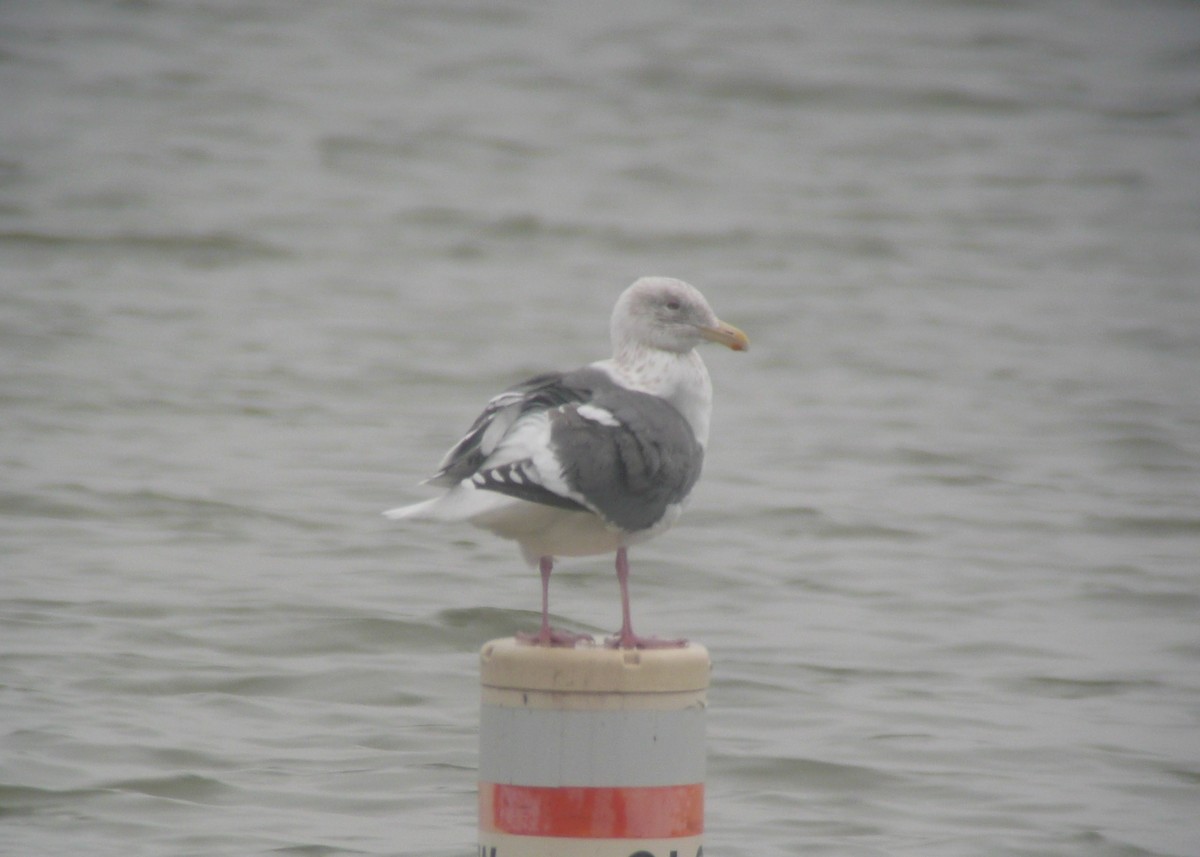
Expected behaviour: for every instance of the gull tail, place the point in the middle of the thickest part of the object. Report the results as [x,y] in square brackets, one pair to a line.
[461,503]
[416,510]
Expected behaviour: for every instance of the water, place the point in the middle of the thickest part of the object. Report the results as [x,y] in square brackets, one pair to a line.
[262,262]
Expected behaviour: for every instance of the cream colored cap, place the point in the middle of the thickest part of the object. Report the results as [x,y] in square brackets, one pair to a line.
[507,663]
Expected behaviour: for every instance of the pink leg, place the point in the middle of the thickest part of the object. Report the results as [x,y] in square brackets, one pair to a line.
[626,639]
[547,636]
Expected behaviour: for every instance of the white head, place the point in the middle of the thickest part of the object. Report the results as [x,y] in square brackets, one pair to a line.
[669,315]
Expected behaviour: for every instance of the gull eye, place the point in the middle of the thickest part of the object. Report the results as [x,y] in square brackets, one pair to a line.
[673,305]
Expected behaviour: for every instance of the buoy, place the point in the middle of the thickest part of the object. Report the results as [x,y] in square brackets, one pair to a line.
[591,751]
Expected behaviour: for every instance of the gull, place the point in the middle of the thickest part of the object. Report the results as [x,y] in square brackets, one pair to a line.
[595,459]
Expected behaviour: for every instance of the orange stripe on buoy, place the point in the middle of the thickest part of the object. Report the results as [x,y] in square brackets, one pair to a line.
[623,812]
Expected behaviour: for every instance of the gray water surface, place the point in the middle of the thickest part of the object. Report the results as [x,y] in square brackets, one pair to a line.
[262,262]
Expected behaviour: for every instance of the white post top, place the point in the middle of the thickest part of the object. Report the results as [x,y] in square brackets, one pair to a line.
[509,664]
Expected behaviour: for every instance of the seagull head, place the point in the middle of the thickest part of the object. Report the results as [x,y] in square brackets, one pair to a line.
[670,315]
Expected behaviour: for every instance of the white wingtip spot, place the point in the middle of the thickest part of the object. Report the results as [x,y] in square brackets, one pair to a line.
[597,415]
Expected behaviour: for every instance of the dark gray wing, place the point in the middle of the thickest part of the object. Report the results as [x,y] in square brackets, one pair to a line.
[628,455]
[540,393]
[622,454]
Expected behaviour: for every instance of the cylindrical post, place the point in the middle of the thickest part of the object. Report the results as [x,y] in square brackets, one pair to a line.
[591,751]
